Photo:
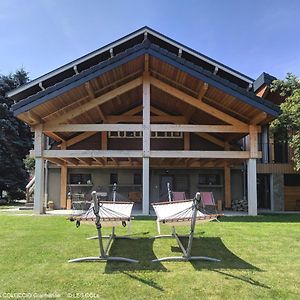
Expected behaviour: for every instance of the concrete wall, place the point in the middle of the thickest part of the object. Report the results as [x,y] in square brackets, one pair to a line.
[277,191]
[237,182]
[54,186]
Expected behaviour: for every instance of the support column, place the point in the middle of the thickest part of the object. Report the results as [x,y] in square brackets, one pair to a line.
[227,186]
[251,171]
[63,182]
[146,142]
[39,196]
[272,191]
[252,187]
[146,181]
[63,186]
[186,137]
[104,143]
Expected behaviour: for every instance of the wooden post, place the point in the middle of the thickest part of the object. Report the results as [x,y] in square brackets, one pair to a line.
[146,180]
[63,186]
[63,182]
[104,143]
[252,187]
[227,186]
[186,137]
[146,141]
[253,141]
[39,185]
[251,171]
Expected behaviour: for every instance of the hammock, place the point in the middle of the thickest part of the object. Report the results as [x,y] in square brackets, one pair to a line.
[107,214]
[186,212]
[110,213]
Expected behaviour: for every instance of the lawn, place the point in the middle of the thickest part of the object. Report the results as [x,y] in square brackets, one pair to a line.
[260,260]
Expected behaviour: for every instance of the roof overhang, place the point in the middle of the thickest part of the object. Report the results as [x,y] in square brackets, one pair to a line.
[146,47]
[133,38]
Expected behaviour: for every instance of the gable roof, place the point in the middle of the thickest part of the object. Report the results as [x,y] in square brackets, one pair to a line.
[146,47]
[119,46]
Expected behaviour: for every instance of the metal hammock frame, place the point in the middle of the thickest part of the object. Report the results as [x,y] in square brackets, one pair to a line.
[185,216]
[113,228]
[104,251]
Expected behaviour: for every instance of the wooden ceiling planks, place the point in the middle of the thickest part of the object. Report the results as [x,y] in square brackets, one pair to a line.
[158,69]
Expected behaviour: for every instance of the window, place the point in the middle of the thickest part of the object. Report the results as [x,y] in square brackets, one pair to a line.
[80,178]
[292,180]
[113,178]
[209,179]
[129,134]
[139,134]
[137,178]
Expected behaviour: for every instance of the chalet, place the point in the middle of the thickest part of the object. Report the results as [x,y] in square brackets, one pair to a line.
[146,110]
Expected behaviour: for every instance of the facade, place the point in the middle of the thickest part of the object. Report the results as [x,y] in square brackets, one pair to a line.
[146,110]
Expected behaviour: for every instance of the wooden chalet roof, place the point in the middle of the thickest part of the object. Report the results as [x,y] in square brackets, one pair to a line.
[180,69]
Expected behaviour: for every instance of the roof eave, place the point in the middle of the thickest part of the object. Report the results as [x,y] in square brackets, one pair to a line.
[98,70]
[132,35]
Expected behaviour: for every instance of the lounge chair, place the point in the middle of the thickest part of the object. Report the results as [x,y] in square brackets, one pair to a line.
[105,214]
[186,212]
[208,202]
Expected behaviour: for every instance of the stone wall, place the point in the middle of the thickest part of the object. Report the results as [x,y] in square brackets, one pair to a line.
[278,192]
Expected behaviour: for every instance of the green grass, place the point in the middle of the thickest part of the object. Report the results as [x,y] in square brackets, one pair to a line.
[260,260]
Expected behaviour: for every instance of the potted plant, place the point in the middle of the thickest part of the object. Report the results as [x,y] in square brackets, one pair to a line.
[50,204]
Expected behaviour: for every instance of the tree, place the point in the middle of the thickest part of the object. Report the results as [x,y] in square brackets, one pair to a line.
[287,125]
[15,139]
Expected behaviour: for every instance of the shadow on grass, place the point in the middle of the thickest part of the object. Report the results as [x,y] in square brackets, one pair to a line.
[140,249]
[243,278]
[149,282]
[214,247]
[281,218]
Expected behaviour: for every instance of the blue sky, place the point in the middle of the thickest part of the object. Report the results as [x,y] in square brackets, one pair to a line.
[249,36]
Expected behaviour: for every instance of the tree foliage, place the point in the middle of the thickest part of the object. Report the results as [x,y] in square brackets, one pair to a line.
[15,138]
[287,125]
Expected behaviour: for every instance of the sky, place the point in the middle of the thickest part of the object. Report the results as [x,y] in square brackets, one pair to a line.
[252,36]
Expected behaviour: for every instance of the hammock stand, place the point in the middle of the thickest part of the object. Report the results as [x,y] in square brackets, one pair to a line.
[113,228]
[111,219]
[190,214]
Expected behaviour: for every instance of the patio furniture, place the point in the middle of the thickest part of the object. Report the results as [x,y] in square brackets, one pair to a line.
[172,196]
[105,214]
[186,212]
[208,202]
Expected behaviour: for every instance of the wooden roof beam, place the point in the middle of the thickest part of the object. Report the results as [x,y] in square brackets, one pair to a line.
[203,91]
[99,160]
[133,111]
[54,136]
[115,160]
[157,111]
[92,95]
[80,137]
[97,101]
[57,161]
[72,161]
[196,103]
[211,138]
[34,118]
[146,67]
[259,118]
[85,160]
[139,119]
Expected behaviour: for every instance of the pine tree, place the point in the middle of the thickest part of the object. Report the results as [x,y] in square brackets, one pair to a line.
[15,139]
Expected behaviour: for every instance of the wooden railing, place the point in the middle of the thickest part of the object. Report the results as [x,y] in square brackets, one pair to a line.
[30,189]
